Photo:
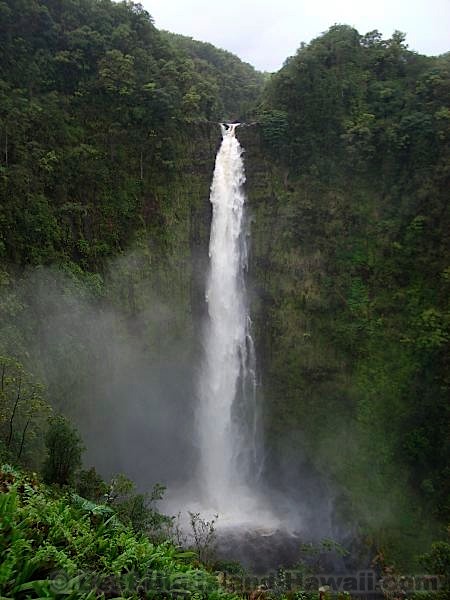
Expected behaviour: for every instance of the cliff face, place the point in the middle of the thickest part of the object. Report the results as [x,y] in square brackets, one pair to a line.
[339,316]
[350,229]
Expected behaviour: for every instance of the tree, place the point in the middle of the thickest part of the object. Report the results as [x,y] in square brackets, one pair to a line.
[136,509]
[22,408]
[64,449]
[90,485]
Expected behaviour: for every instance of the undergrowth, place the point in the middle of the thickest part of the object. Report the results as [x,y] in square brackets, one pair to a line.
[56,544]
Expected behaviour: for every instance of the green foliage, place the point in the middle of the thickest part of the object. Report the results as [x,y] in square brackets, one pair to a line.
[106,145]
[23,412]
[61,546]
[90,485]
[64,450]
[95,106]
[274,126]
[437,561]
[350,254]
[138,510]
[203,537]
[225,88]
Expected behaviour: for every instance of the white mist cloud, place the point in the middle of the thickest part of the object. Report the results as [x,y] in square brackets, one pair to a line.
[265,32]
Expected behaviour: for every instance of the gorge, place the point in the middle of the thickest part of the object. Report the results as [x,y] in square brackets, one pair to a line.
[108,130]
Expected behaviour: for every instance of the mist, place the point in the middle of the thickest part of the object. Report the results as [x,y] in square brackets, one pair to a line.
[128,382]
[128,379]
[125,380]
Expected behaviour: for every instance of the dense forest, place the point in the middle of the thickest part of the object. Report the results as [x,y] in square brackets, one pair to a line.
[355,275]
[108,132]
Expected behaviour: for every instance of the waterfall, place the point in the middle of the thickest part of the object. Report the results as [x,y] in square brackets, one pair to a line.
[227,411]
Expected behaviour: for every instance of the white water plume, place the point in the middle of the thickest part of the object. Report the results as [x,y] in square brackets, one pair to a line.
[227,412]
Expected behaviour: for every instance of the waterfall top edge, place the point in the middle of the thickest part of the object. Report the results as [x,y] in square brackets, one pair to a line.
[228,128]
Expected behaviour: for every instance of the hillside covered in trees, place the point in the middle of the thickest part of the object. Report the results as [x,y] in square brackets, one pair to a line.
[108,132]
[354,276]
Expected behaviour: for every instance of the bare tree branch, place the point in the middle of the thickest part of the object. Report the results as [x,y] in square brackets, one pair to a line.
[13,414]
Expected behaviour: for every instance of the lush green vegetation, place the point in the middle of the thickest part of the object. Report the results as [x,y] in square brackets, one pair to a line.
[107,142]
[95,108]
[355,277]
[59,545]
[233,85]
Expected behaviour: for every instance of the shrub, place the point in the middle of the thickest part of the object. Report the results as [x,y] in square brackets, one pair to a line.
[64,449]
